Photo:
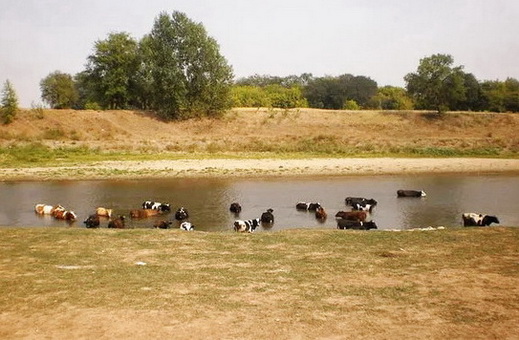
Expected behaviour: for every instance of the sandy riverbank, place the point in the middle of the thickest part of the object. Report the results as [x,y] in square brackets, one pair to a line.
[262,167]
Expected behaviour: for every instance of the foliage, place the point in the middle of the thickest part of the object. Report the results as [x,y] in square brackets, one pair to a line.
[266,80]
[333,92]
[188,74]
[249,96]
[351,105]
[391,98]
[58,90]
[9,103]
[501,96]
[285,98]
[110,70]
[436,84]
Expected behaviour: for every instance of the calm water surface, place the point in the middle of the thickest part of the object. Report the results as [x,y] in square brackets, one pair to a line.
[208,200]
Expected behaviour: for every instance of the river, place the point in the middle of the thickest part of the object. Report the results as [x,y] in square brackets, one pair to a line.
[208,200]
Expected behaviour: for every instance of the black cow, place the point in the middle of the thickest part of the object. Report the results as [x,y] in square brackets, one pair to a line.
[235,208]
[478,220]
[411,193]
[181,214]
[358,225]
[92,221]
[267,216]
[164,207]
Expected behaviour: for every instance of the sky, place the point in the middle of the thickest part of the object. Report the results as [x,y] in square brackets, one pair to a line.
[380,39]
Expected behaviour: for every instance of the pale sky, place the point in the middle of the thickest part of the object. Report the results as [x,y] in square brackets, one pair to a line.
[380,39]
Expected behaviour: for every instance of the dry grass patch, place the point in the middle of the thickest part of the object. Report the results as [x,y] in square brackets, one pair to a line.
[303,283]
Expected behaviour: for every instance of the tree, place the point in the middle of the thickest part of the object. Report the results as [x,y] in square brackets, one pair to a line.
[358,88]
[436,84]
[333,92]
[325,93]
[111,69]
[189,76]
[9,102]
[58,90]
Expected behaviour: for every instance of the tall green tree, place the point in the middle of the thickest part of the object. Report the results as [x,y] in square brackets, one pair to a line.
[9,102]
[58,90]
[111,70]
[189,76]
[436,84]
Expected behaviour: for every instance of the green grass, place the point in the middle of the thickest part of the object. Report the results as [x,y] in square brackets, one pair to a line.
[37,154]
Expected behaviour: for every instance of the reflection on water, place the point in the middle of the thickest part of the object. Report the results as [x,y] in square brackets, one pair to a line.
[208,200]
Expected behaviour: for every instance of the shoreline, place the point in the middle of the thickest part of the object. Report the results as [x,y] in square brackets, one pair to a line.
[261,168]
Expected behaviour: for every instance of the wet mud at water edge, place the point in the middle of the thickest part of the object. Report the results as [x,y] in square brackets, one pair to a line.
[208,200]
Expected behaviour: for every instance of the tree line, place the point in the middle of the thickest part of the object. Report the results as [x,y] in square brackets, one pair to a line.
[178,71]
[436,85]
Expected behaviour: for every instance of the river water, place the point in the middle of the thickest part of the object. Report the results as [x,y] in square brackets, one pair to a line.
[208,200]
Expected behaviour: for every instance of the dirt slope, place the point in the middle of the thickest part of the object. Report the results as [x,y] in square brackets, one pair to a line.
[259,130]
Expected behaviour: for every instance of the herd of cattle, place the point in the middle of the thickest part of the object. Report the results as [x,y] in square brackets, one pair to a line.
[358,217]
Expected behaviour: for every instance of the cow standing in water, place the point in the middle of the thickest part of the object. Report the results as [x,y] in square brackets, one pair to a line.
[478,220]
[267,217]
[246,226]
[411,193]
[117,223]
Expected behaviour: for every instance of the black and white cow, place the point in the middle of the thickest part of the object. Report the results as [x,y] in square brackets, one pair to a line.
[181,214]
[235,207]
[307,206]
[246,226]
[187,226]
[267,216]
[411,193]
[478,220]
[359,200]
[358,225]
[164,207]
[92,221]
[363,206]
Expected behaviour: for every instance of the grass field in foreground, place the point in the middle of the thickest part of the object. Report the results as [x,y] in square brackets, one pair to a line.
[461,283]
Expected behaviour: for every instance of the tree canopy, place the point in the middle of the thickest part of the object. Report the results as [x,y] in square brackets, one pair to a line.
[58,90]
[436,84]
[189,77]
[110,70]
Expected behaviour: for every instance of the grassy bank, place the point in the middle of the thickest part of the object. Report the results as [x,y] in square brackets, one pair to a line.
[456,283]
[51,137]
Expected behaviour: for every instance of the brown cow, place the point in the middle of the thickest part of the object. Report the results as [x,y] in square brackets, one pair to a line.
[356,215]
[43,209]
[320,213]
[65,215]
[117,223]
[162,224]
[104,212]
[143,213]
